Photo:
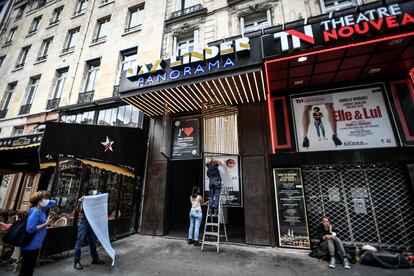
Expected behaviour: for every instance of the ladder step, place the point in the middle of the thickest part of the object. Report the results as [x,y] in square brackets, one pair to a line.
[211,233]
[210,243]
[212,224]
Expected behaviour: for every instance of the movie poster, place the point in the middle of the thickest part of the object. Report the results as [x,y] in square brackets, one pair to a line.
[186,138]
[291,210]
[229,169]
[354,119]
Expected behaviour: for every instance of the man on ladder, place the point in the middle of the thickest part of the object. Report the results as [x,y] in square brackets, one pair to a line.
[214,180]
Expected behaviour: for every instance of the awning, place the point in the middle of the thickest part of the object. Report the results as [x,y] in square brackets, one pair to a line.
[227,90]
[120,146]
[19,153]
[109,167]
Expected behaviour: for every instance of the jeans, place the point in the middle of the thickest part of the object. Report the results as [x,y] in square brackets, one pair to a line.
[334,245]
[195,221]
[85,231]
[29,259]
[318,124]
[215,189]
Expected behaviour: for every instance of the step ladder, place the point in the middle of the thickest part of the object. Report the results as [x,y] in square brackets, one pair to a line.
[212,228]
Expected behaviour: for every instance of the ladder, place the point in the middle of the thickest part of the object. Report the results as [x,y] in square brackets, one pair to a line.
[213,223]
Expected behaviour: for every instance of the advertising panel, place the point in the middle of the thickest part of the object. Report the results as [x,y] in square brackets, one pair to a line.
[356,119]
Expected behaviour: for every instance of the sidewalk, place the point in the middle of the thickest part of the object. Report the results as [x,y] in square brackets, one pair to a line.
[146,255]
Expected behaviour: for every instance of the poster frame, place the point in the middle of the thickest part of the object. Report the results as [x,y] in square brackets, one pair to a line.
[200,140]
[277,208]
[240,177]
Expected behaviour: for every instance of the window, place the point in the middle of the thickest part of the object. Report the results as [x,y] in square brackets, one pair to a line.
[128,58]
[1,60]
[5,101]
[10,36]
[220,134]
[60,83]
[91,75]
[22,57]
[81,6]
[31,91]
[17,131]
[29,181]
[334,5]
[72,40]
[255,22]
[134,18]
[183,4]
[102,32]
[35,25]
[44,49]
[56,15]
[19,12]
[184,45]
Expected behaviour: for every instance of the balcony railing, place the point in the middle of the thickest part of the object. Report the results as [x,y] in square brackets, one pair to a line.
[53,22]
[25,109]
[70,49]
[99,39]
[85,97]
[79,12]
[20,65]
[41,58]
[133,28]
[53,104]
[3,113]
[186,11]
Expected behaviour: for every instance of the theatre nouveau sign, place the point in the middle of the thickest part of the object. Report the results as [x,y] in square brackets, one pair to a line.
[227,55]
[366,23]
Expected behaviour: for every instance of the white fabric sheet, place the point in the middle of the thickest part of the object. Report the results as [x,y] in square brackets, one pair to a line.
[96,211]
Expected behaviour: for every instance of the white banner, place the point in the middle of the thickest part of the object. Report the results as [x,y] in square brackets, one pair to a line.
[96,211]
[354,119]
[230,180]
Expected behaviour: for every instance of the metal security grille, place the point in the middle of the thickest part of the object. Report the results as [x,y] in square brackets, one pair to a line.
[366,203]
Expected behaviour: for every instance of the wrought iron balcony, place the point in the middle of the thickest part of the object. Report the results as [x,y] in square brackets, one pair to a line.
[53,104]
[186,11]
[99,39]
[70,49]
[41,58]
[134,28]
[86,97]
[78,12]
[115,93]
[20,65]
[25,109]
[3,113]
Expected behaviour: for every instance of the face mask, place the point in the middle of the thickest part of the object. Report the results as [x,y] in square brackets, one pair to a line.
[94,192]
[44,202]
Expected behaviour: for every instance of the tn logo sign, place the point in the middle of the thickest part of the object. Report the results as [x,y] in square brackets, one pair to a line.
[296,37]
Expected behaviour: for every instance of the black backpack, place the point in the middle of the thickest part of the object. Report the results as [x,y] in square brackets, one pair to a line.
[17,234]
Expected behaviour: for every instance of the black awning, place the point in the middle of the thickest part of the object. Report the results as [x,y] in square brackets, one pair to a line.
[117,145]
[19,153]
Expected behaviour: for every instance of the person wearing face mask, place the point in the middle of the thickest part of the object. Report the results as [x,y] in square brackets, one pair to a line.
[85,231]
[36,223]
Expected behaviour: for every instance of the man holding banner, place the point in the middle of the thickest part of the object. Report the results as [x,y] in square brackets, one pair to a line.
[85,231]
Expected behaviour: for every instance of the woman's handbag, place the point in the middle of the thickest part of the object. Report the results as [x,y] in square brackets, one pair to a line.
[17,234]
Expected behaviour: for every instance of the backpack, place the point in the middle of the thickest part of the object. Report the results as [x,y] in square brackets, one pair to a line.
[17,234]
[385,259]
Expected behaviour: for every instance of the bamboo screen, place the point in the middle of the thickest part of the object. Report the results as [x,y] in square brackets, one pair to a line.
[220,134]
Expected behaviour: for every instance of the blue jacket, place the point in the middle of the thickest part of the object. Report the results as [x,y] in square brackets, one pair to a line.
[35,218]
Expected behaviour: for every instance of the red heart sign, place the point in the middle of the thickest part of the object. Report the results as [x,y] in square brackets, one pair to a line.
[188,131]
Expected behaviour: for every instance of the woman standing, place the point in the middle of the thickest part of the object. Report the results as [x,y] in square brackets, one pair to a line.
[196,214]
[36,223]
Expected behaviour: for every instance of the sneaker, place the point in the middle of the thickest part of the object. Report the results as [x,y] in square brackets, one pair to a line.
[196,243]
[97,261]
[77,266]
[332,262]
[215,213]
[210,212]
[190,241]
[346,264]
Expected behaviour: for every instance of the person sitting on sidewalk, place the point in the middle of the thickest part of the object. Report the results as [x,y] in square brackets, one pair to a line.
[330,242]
[85,231]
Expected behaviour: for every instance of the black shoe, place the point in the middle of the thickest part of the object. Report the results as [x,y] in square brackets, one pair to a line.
[215,213]
[305,143]
[190,241]
[97,261]
[196,243]
[77,266]
[210,212]
[336,140]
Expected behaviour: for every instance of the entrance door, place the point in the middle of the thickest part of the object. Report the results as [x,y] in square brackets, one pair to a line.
[366,203]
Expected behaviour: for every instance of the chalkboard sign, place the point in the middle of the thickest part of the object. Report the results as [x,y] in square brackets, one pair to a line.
[291,209]
[186,138]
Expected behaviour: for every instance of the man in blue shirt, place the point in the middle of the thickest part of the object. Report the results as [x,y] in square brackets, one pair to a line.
[214,180]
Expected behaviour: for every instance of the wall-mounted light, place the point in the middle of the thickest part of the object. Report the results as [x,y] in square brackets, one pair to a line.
[302,59]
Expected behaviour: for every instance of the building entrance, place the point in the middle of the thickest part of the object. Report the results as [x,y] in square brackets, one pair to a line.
[366,203]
